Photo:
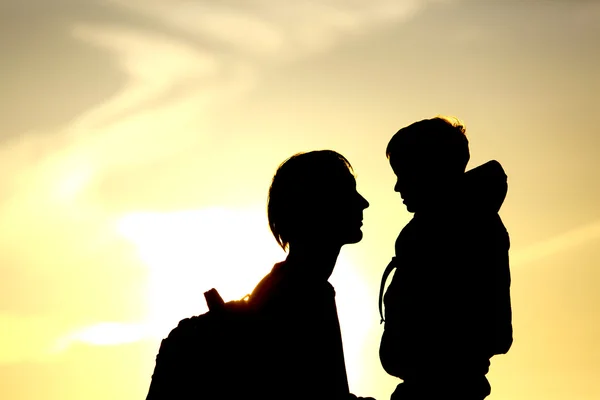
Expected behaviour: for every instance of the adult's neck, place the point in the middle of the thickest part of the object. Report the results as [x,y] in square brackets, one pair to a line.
[313,260]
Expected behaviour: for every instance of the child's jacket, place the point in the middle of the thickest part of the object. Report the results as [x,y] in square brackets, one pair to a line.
[448,305]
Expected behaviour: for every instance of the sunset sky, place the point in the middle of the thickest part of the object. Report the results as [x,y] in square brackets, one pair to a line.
[138,139]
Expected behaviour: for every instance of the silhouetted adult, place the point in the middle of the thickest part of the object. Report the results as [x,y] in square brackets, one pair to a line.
[447,309]
[314,209]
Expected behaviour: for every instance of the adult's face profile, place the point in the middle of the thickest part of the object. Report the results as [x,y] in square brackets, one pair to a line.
[313,201]
[336,212]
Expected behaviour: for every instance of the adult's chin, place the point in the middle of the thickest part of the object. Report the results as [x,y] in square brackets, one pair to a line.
[355,237]
[410,206]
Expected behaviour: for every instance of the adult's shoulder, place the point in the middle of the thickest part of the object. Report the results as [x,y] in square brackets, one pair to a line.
[268,288]
[280,288]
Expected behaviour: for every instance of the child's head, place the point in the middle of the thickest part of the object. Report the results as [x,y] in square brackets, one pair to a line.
[313,197]
[426,157]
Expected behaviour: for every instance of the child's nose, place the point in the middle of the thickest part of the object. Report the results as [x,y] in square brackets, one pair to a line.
[397,186]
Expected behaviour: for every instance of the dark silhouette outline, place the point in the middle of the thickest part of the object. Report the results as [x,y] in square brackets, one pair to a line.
[447,309]
[314,209]
[284,340]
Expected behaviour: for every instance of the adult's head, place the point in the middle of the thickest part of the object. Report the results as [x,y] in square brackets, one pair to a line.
[313,199]
[428,157]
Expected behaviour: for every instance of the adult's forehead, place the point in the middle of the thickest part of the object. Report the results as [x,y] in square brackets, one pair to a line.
[327,181]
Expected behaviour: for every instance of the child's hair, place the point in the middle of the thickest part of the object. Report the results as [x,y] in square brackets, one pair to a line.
[297,186]
[441,139]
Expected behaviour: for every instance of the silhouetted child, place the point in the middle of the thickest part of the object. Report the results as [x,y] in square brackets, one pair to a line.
[447,309]
[314,209]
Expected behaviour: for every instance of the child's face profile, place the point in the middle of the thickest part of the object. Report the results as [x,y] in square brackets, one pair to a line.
[417,181]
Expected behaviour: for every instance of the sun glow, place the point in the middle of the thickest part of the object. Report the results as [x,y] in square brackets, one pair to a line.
[190,252]
[110,333]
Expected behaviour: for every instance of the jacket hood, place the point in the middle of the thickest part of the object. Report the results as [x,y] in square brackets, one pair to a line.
[485,187]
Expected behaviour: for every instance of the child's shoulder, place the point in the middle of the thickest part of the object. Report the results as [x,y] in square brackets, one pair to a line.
[407,234]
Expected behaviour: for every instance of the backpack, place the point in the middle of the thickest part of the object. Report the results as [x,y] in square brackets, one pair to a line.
[205,356]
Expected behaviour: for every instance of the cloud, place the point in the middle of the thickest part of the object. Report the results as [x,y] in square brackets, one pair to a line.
[189,252]
[557,244]
[108,333]
[272,28]
[176,62]
[153,64]
[124,92]
[207,47]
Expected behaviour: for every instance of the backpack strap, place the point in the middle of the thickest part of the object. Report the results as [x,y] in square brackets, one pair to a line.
[214,300]
[386,274]
[216,303]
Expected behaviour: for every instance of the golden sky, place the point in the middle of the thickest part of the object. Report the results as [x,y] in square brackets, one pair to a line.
[138,140]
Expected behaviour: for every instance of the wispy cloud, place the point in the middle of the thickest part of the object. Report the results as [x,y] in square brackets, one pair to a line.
[557,244]
[176,61]
[208,48]
[270,28]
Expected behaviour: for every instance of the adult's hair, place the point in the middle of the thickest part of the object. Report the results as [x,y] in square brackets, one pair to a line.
[300,185]
[440,140]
